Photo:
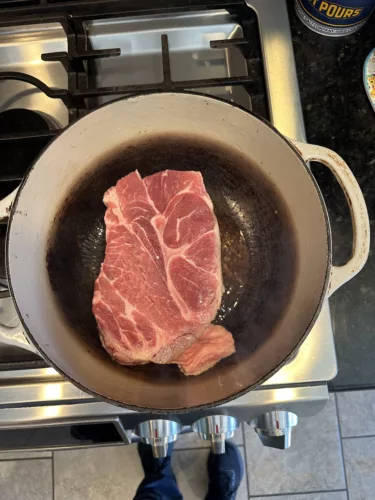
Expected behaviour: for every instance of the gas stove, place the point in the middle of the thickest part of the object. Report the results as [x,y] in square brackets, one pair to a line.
[57,62]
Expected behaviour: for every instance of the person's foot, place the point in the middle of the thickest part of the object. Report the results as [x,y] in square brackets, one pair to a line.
[225,473]
[152,465]
[159,481]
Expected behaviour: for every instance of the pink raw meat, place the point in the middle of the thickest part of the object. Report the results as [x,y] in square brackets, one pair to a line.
[213,345]
[160,284]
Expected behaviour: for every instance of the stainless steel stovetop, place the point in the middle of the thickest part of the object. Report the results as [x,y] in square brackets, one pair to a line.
[33,396]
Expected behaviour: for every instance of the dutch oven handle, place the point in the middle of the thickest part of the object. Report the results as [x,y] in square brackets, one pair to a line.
[358,210]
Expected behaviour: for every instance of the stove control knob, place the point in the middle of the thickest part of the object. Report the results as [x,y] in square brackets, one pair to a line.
[158,433]
[275,428]
[216,429]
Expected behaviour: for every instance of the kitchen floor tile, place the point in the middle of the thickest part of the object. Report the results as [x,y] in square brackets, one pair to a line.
[102,473]
[26,480]
[115,473]
[359,456]
[190,468]
[192,440]
[356,413]
[17,455]
[313,463]
[332,495]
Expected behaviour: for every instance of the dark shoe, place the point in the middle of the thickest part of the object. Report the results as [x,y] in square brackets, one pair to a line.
[225,473]
[159,482]
[153,465]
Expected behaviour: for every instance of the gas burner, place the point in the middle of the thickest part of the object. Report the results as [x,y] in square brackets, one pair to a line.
[22,120]
[22,138]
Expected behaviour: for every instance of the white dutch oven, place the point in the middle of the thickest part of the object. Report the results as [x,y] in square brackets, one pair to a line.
[282,162]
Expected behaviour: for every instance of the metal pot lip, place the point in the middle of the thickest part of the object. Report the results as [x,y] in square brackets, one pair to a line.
[171,411]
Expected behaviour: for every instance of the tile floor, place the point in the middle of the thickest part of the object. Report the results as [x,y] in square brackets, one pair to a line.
[332,458]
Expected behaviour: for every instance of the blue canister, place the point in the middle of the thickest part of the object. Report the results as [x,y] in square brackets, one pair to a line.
[338,18]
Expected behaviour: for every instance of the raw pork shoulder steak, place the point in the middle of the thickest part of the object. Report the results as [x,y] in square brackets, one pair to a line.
[214,344]
[160,284]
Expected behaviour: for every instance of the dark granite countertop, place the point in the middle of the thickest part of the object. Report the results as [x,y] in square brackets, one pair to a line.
[339,116]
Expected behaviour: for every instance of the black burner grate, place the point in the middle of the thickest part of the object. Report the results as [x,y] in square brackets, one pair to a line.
[76,97]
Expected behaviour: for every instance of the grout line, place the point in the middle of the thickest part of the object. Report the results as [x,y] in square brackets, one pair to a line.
[338,412]
[53,475]
[360,437]
[245,455]
[23,459]
[295,493]
[341,446]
